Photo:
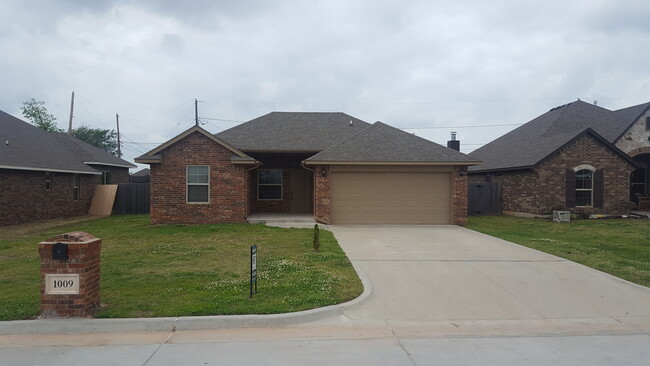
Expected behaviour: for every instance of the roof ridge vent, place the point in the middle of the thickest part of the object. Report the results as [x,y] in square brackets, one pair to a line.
[559,107]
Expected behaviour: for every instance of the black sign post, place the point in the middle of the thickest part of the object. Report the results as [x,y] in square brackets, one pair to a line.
[253,269]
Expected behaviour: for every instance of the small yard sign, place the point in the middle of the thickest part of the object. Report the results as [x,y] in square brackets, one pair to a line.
[253,270]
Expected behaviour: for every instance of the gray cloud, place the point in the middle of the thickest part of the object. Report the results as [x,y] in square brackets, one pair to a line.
[411,64]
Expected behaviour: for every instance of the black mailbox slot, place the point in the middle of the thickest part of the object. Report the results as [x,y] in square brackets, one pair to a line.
[60,251]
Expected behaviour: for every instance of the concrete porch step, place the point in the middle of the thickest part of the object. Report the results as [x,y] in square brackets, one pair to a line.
[281,218]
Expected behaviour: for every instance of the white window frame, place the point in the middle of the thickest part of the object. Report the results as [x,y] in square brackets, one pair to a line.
[188,184]
[590,190]
[267,184]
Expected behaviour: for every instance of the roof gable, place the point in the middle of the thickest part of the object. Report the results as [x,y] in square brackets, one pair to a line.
[532,142]
[381,143]
[154,156]
[27,147]
[293,131]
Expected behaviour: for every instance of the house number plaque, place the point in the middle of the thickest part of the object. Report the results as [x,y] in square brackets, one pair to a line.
[61,284]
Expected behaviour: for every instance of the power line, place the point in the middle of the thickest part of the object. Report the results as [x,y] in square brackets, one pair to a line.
[222,120]
[467,126]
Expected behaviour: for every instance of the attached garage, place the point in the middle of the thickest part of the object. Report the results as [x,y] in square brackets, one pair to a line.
[391,194]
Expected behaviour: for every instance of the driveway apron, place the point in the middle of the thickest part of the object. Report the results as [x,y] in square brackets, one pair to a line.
[447,273]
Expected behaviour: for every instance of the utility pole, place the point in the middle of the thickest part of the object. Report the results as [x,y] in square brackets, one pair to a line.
[196,112]
[71,111]
[119,150]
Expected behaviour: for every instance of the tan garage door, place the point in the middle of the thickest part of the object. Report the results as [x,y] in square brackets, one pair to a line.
[391,198]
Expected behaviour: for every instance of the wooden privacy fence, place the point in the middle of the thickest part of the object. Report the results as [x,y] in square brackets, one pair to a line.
[131,199]
[484,199]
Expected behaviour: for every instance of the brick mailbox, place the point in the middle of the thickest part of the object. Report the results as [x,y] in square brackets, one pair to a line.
[70,275]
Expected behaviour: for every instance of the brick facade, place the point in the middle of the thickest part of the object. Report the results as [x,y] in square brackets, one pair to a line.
[322,194]
[23,196]
[228,195]
[542,189]
[459,196]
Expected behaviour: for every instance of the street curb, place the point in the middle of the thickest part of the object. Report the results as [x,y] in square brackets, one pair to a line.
[126,325]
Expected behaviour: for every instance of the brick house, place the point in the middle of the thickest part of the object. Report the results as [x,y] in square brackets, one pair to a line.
[336,167]
[48,175]
[577,157]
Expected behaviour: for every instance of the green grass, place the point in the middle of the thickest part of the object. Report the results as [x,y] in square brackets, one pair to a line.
[152,271]
[620,247]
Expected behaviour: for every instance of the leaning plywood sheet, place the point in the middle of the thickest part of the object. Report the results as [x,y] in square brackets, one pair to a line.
[103,199]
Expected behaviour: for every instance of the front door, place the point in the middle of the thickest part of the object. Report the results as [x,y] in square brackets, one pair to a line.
[301,190]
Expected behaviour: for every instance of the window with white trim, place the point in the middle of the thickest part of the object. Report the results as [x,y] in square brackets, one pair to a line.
[198,184]
[584,187]
[269,184]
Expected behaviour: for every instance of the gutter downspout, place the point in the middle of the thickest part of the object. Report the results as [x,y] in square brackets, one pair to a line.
[257,165]
[319,219]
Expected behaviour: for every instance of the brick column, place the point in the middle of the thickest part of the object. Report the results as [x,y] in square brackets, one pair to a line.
[459,197]
[322,194]
[70,285]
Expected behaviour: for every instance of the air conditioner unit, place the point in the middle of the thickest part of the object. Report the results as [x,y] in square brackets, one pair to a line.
[561,216]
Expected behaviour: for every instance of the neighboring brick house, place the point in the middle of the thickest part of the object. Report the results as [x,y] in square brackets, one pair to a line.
[49,175]
[577,157]
[334,166]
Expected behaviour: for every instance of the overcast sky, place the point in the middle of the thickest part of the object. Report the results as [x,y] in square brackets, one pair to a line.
[430,67]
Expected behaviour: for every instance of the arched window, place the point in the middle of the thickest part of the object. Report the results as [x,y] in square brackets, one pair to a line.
[584,187]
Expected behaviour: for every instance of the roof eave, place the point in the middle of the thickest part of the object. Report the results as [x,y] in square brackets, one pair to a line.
[110,164]
[326,162]
[501,169]
[39,169]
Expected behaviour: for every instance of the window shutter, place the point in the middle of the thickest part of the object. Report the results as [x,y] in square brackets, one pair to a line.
[599,188]
[570,188]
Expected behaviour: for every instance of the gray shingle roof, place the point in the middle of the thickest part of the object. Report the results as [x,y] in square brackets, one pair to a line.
[24,146]
[142,173]
[528,144]
[292,131]
[383,143]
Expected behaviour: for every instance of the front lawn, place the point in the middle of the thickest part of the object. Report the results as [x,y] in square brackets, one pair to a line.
[620,247]
[152,271]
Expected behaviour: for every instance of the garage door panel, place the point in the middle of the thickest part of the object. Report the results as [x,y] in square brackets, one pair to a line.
[391,198]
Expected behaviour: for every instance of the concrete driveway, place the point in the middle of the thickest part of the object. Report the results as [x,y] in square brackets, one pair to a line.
[450,273]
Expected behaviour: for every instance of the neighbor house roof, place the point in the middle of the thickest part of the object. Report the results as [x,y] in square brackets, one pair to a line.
[26,147]
[142,173]
[381,143]
[292,131]
[530,143]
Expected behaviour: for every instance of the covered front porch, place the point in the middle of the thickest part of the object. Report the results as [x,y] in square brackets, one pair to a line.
[280,185]
[640,183]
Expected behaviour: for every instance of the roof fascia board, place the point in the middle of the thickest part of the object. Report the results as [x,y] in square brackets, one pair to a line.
[109,164]
[501,169]
[281,151]
[37,169]
[323,162]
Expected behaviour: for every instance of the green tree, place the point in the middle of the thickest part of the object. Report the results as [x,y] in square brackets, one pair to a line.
[103,139]
[35,111]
